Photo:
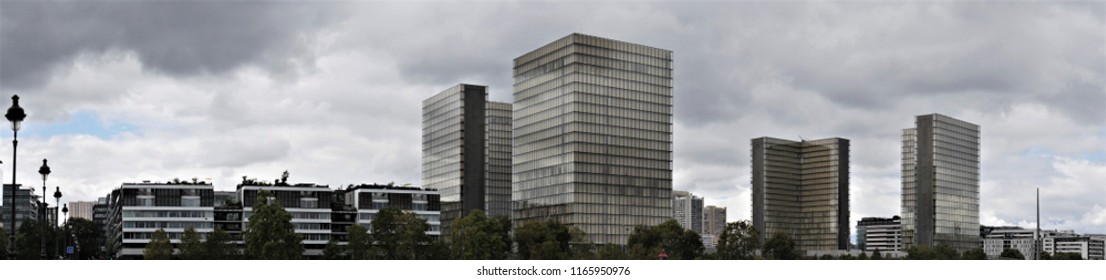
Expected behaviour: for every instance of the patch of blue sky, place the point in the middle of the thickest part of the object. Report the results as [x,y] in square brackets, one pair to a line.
[82,122]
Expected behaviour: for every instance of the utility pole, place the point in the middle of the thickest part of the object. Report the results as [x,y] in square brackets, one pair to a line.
[1037,236]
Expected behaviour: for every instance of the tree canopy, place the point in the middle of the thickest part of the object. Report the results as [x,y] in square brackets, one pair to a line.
[270,235]
[975,254]
[190,246]
[84,236]
[360,245]
[781,247]
[668,237]
[219,246]
[479,237]
[939,252]
[739,241]
[543,240]
[1012,254]
[402,235]
[159,248]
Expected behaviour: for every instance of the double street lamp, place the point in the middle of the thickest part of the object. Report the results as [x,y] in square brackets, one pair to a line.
[15,115]
[65,227]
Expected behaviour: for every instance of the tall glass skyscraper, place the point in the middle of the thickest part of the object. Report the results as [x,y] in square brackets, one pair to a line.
[466,143]
[593,136]
[940,182]
[801,188]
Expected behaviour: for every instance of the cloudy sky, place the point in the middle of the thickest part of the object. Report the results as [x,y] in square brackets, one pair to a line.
[129,91]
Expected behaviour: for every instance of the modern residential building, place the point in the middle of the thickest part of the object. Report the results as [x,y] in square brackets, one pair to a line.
[100,217]
[1088,247]
[467,152]
[309,205]
[999,239]
[883,234]
[228,214]
[940,183]
[687,209]
[714,223]
[81,209]
[26,205]
[425,203]
[802,188]
[592,135]
[136,210]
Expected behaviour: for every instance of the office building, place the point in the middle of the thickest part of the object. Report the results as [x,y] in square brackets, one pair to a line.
[100,212]
[940,183]
[81,209]
[26,205]
[999,239]
[883,234]
[687,209]
[714,222]
[593,136]
[467,152]
[801,188]
[228,215]
[1088,247]
[367,199]
[136,210]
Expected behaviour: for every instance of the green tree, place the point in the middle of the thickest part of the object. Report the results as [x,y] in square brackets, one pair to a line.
[862,256]
[270,235]
[877,255]
[826,257]
[668,237]
[360,245]
[612,252]
[739,241]
[402,236]
[1067,256]
[479,237]
[3,243]
[1046,256]
[28,240]
[219,246]
[333,251]
[946,252]
[780,247]
[543,240]
[159,247]
[191,247]
[1011,254]
[975,254]
[84,236]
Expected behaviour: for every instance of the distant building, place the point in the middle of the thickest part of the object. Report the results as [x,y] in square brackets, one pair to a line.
[714,222]
[801,188]
[999,239]
[940,182]
[100,212]
[136,210]
[1088,247]
[81,209]
[883,234]
[466,152]
[687,209]
[26,205]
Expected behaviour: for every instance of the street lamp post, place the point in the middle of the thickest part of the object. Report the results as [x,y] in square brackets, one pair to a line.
[57,202]
[15,115]
[65,211]
[44,171]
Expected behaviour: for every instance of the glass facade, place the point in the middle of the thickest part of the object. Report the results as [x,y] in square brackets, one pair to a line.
[802,188]
[593,136]
[941,182]
[467,152]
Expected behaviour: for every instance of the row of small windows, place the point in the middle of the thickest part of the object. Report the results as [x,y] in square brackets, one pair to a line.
[166,225]
[167,214]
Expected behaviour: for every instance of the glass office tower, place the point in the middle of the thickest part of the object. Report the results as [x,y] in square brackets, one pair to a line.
[940,183]
[466,152]
[802,188]
[593,136]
